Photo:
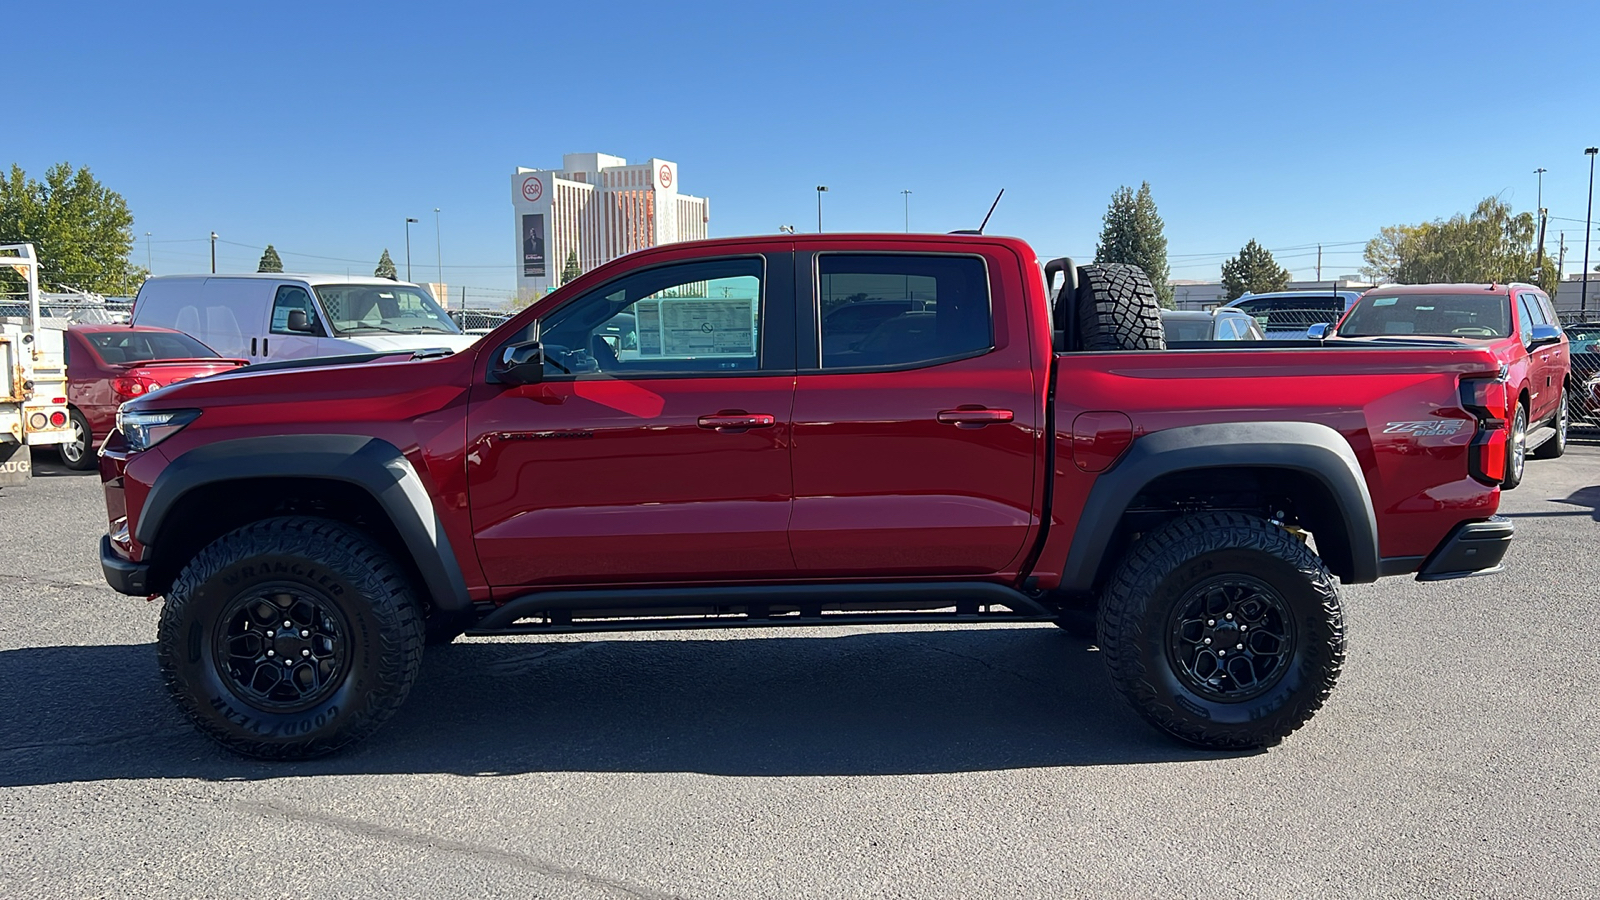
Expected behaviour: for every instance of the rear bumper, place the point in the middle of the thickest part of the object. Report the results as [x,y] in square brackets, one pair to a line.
[1472,548]
[124,576]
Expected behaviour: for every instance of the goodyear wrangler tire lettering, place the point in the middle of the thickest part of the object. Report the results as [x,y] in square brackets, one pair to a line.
[308,635]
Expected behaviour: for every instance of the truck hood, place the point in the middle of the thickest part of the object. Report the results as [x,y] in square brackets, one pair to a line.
[367,343]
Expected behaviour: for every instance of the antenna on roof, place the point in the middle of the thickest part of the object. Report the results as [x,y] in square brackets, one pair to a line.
[985,218]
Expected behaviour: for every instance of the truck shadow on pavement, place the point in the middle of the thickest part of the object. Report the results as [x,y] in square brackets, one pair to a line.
[1587,499]
[857,704]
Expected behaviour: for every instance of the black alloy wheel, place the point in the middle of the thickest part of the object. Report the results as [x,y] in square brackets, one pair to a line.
[1231,637]
[283,646]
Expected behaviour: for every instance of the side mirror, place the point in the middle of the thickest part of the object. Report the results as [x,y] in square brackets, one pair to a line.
[519,363]
[299,321]
[1320,331]
[1545,335]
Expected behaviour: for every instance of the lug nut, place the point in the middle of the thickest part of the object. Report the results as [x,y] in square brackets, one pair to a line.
[1230,615]
[306,633]
[269,632]
[1208,640]
[272,653]
[1222,653]
[308,652]
[289,624]
[1211,621]
[288,662]
[1238,646]
[1244,627]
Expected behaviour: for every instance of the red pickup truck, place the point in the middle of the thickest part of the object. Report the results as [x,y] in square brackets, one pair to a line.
[801,430]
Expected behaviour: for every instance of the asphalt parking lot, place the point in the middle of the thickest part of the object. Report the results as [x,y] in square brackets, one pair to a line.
[1457,758]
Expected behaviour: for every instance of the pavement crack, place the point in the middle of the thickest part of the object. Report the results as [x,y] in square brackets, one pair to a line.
[511,858]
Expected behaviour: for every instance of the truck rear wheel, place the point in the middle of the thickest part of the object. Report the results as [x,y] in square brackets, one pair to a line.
[1223,630]
[290,638]
[1118,309]
[78,453]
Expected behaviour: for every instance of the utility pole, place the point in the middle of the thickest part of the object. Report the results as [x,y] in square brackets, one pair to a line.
[1538,265]
[409,222]
[1319,262]
[213,253]
[907,194]
[821,189]
[149,266]
[1588,236]
[1561,258]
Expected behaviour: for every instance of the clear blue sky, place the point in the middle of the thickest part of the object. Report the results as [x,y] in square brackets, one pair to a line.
[320,127]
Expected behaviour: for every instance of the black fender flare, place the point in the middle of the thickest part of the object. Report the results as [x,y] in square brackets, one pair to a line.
[372,464]
[1303,447]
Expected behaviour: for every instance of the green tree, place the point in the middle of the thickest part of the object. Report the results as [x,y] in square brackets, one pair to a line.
[385,267]
[570,270]
[1133,234]
[1253,271]
[82,230]
[270,261]
[1490,244]
[1382,253]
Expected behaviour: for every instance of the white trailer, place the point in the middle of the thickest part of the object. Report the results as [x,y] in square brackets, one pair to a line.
[33,383]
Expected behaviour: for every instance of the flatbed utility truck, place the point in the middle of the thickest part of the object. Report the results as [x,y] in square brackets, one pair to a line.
[33,372]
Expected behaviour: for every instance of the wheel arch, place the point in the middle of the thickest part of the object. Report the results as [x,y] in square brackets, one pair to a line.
[1309,462]
[362,480]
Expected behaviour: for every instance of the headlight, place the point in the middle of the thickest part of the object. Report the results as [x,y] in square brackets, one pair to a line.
[143,429]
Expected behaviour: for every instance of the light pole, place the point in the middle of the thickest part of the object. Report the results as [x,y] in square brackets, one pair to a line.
[1583,292]
[907,194]
[409,222]
[149,266]
[438,252]
[821,189]
[213,253]
[1538,265]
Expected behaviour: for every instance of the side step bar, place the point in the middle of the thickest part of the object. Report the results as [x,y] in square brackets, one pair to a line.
[651,609]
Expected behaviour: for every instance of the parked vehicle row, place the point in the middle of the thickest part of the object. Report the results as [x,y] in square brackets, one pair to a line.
[698,435]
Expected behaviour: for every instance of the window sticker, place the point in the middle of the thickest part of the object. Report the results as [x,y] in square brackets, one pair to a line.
[1386,301]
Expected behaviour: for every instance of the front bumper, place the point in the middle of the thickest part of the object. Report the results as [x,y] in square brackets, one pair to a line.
[1472,548]
[124,576]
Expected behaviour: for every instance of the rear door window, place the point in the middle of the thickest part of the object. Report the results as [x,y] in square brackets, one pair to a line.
[901,310]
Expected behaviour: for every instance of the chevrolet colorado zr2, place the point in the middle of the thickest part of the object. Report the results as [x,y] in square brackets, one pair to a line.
[694,436]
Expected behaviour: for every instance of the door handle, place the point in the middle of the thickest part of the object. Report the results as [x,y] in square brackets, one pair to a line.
[975,416]
[737,421]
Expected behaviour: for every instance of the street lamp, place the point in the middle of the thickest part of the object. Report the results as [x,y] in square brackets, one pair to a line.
[821,189]
[438,253]
[1538,265]
[409,222]
[1583,292]
[907,194]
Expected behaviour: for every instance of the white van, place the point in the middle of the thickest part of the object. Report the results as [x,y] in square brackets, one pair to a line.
[262,317]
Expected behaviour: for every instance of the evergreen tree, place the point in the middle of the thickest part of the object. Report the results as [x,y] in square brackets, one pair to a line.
[1253,271]
[1133,234]
[385,267]
[270,261]
[570,270]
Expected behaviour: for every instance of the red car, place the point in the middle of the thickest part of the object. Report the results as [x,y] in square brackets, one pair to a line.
[108,365]
[1516,322]
[673,441]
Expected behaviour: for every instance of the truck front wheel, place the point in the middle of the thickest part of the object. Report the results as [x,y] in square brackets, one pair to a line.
[1223,630]
[290,638]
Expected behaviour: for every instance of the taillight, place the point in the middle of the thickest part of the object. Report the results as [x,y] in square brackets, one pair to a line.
[58,419]
[1487,400]
[128,387]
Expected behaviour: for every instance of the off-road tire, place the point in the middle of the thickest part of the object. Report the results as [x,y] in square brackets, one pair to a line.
[1514,445]
[339,571]
[1556,446]
[86,459]
[1200,556]
[1118,309]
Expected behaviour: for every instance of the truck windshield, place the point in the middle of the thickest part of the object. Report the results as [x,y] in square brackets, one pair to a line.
[1481,315]
[382,309]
